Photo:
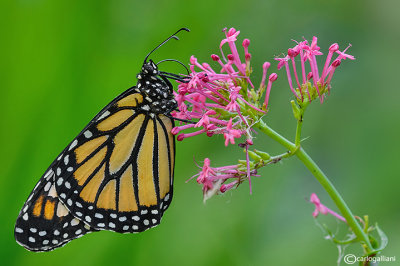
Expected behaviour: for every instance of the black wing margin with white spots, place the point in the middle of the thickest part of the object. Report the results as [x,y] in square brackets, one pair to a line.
[44,223]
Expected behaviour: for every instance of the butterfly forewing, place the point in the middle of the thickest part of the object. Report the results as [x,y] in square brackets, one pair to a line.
[117,175]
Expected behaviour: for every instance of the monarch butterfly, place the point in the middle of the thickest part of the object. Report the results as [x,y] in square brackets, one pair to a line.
[117,174]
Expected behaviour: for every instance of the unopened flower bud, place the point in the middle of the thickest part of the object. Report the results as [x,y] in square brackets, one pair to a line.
[336,63]
[334,47]
[215,57]
[292,53]
[193,60]
[273,77]
[246,43]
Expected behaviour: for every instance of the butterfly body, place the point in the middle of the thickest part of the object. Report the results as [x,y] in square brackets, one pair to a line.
[116,175]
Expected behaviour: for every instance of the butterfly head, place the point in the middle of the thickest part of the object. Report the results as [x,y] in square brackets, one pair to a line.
[149,69]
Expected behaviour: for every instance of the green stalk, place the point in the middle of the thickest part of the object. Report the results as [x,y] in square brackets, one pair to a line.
[298,132]
[323,180]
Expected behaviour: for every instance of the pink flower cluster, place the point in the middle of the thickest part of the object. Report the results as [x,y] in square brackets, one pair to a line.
[221,102]
[308,90]
[213,178]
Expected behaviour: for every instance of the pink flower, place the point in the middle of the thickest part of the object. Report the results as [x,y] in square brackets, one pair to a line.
[320,208]
[320,84]
[230,134]
[213,178]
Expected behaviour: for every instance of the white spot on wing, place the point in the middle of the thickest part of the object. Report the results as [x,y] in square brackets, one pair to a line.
[48,174]
[73,144]
[47,186]
[61,210]
[105,114]
[53,192]
[88,134]
[166,197]
[74,222]
[145,107]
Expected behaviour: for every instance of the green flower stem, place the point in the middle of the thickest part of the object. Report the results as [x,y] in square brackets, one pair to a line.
[298,131]
[323,180]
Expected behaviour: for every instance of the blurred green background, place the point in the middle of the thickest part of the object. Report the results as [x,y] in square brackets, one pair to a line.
[62,61]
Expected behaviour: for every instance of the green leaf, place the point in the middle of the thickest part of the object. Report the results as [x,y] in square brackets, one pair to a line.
[383,237]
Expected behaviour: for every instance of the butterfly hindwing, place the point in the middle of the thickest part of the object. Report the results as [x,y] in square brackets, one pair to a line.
[44,223]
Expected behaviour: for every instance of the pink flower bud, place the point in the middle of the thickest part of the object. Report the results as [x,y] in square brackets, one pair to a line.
[226,187]
[193,60]
[247,56]
[309,76]
[273,77]
[249,141]
[175,130]
[230,57]
[266,65]
[211,112]
[336,63]
[180,137]
[292,52]
[215,57]
[206,66]
[231,31]
[246,43]
[334,47]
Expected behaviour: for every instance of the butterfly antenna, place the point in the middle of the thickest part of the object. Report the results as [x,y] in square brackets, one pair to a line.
[161,44]
[174,60]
